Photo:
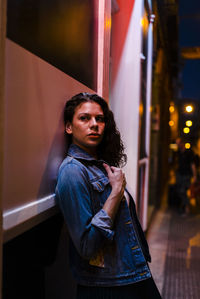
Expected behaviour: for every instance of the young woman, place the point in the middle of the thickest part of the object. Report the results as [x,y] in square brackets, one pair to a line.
[108,252]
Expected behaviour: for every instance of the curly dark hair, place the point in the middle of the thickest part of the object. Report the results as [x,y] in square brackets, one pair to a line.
[111,148]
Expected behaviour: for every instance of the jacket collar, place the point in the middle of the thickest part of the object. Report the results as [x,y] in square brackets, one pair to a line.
[78,153]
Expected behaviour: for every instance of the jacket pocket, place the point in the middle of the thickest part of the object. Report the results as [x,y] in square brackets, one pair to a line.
[99,184]
[100,192]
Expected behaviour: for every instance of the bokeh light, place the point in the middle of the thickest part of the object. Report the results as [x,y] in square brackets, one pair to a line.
[187,145]
[188,123]
[189,108]
[186,130]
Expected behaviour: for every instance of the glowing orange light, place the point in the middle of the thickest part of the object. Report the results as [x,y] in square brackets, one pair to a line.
[171,123]
[108,23]
[171,108]
[144,22]
[187,145]
[141,109]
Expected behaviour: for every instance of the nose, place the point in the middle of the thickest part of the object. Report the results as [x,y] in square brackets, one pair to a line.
[93,122]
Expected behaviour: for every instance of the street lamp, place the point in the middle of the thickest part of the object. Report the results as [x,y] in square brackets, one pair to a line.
[187,145]
[171,108]
[188,123]
[189,108]
[186,130]
[171,123]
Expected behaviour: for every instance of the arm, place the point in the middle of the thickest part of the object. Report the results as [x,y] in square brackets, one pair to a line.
[118,183]
[88,231]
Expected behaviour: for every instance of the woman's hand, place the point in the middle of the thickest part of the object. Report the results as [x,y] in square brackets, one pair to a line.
[117,179]
[118,182]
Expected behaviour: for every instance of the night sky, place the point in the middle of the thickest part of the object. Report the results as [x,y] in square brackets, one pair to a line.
[189,36]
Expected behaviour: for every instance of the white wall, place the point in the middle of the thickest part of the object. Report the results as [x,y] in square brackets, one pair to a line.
[125,94]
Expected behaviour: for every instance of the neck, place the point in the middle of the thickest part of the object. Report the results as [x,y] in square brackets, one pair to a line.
[92,152]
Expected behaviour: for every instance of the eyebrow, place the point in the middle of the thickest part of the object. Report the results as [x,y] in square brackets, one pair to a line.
[85,113]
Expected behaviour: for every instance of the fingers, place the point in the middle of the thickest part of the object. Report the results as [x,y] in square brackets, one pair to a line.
[107,168]
[117,173]
[114,168]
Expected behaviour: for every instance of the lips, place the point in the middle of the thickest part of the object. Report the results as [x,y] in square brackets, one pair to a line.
[95,135]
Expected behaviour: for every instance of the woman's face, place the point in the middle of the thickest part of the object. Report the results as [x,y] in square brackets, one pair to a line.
[87,126]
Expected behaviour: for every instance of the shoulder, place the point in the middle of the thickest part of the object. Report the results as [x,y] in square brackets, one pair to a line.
[72,168]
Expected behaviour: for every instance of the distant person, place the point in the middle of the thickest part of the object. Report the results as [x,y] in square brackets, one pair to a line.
[109,254]
[195,186]
[186,170]
[196,150]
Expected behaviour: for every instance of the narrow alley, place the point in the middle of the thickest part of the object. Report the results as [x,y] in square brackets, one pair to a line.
[174,243]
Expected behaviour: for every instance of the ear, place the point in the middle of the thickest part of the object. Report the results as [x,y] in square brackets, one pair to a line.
[68,128]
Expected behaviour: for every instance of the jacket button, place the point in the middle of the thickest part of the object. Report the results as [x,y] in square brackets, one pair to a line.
[129,222]
[141,274]
[135,247]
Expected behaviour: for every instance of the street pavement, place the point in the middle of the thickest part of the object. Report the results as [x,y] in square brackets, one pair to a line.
[174,243]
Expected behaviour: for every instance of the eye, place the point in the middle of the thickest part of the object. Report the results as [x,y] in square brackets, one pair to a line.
[100,119]
[84,117]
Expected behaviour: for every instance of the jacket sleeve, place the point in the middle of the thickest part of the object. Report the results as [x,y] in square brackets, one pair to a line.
[88,231]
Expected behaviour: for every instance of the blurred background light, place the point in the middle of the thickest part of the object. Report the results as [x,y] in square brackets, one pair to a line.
[188,123]
[186,130]
[171,108]
[187,145]
[189,108]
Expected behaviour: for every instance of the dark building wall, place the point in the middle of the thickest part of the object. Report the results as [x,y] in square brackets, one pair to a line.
[165,70]
[36,265]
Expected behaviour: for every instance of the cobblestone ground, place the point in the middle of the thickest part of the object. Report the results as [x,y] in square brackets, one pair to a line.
[175,246]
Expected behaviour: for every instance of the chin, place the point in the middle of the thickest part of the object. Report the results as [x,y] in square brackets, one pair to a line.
[95,144]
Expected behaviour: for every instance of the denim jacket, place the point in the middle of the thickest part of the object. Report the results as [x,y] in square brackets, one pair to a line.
[102,252]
